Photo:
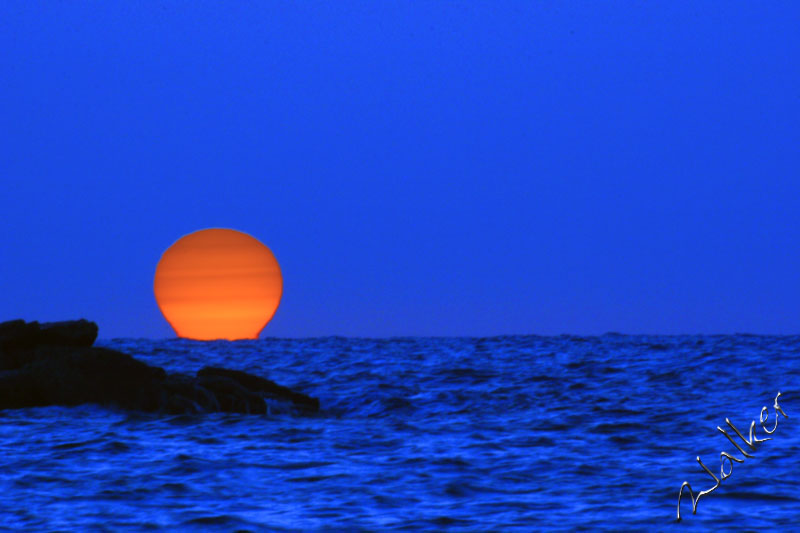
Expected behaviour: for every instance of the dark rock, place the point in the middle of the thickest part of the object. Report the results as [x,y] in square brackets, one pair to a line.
[180,384]
[18,334]
[227,403]
[178,404]
[149,398]
[189,387]
[236,397]
[256,405]
[206,399]
[71,376]
[221,384]
[18,388]
[55,364]
[263,385]
[68,333]
[18,338]
[11,359]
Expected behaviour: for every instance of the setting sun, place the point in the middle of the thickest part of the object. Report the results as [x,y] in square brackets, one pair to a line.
[218,284]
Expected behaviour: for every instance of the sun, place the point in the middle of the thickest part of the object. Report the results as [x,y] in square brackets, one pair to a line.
[218,284]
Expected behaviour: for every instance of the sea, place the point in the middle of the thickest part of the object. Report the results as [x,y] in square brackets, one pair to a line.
[507,433]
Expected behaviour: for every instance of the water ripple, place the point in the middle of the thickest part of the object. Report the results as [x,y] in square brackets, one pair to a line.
[501,433]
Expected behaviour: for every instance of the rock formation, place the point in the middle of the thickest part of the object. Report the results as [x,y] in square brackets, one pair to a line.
[56,364]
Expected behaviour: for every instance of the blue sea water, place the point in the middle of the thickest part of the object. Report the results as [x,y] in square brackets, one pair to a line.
[504,433]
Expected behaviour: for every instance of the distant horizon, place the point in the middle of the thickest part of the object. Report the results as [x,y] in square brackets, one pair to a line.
[397,337]
[471,336]
[266,336]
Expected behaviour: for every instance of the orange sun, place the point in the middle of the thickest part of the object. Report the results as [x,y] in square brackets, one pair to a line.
[218,284]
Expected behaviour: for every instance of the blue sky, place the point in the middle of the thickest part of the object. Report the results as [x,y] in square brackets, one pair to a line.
[418,168]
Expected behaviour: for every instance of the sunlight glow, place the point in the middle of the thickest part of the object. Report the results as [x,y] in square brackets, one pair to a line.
[218,284]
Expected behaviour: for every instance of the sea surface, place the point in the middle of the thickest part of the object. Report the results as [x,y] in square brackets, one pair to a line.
[511,433]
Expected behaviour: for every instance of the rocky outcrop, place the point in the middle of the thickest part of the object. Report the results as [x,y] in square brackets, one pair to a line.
[56,364]
[18,334]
